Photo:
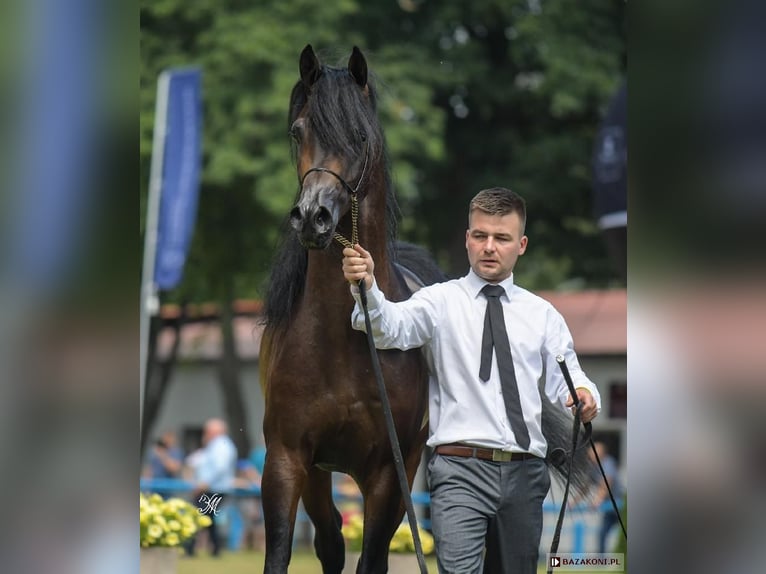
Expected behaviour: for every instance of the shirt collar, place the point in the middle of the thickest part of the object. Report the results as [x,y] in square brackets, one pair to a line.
[476,284]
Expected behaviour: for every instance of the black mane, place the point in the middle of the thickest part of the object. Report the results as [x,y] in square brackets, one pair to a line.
[345,121]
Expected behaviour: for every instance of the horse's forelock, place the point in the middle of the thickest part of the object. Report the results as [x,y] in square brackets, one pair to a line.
[343,117]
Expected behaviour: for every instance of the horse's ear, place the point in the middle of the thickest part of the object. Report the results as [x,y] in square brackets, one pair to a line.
[357,66]
[310,66]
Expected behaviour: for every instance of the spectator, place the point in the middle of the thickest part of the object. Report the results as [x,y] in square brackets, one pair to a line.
[601,494]
[213,470]
[247,478]
[166,459]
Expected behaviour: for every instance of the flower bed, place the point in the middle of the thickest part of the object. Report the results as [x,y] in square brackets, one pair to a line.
[168,523]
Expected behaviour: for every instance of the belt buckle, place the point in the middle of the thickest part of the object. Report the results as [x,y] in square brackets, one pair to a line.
[501,456]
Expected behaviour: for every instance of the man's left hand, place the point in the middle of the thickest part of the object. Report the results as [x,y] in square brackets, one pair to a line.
[588,407]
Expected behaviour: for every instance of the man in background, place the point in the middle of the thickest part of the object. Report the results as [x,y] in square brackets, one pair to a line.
[601,494]
[166,458]
[214,467]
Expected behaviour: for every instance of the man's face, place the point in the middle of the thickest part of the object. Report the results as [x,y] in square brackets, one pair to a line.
[494,243]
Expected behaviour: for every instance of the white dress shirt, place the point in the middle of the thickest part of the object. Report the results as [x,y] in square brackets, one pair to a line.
[447,321]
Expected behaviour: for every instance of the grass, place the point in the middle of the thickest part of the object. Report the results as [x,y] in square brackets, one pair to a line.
[303,562]
[251,562]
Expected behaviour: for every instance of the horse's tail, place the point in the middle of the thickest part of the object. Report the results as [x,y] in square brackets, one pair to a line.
[418,261]
[557,429]
[272,341]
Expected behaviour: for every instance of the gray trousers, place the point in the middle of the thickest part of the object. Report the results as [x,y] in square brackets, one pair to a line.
[479,504]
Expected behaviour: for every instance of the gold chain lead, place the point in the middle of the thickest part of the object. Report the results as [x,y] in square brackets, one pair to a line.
[354,217]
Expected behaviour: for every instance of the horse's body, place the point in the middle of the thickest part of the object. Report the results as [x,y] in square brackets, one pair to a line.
[323,412]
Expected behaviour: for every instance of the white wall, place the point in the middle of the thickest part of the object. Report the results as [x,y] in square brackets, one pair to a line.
[194,396]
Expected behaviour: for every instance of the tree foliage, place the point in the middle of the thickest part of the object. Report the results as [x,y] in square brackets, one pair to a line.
[474,94]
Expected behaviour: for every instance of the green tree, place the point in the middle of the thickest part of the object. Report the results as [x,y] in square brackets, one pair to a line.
[523,85]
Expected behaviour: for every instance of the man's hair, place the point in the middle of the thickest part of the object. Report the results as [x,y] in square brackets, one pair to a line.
[499,201]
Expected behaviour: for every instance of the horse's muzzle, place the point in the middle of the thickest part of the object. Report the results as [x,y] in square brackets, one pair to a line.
[315,226]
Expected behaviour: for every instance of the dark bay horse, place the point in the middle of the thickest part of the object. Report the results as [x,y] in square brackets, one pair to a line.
[323,412]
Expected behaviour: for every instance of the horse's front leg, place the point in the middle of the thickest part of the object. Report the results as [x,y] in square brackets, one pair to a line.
[383,511]
[284,477]
[328,539]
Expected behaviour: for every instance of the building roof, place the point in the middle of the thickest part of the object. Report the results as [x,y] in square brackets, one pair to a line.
[596,318]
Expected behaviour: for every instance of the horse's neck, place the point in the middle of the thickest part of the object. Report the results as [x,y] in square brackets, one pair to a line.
[326,295]
[373,233]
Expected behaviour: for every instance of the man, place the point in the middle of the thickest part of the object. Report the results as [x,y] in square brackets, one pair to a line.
[488,347]
[214,467]
[166,458]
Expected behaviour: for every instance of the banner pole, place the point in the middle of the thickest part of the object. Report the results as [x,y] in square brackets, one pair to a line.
[149,304]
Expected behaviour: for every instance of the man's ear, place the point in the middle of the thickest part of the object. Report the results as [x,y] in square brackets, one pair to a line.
[523,244]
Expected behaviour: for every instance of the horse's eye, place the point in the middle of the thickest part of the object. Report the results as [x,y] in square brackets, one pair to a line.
[296,130]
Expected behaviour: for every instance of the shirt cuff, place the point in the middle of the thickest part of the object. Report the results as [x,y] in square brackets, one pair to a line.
[374,294]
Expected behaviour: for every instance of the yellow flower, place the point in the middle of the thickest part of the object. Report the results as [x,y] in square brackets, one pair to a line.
[172,539]
[167,522]
[353,531]
[404,542]
[427,542]
[154,531]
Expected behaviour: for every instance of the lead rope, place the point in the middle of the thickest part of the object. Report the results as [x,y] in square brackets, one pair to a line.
[398,461]
[390,427]
[354,218]
[560,521]
[575,435]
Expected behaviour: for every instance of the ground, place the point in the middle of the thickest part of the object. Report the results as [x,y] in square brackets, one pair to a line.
[247,562]
[252,562]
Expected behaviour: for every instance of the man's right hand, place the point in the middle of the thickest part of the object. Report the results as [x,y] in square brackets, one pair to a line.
[358,265]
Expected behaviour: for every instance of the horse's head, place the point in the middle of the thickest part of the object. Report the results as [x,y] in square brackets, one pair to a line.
[334,126]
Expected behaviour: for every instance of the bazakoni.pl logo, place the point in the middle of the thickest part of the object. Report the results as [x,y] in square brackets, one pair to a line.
[587,561]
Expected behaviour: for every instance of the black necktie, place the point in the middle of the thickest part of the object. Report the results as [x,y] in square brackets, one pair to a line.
[496,335]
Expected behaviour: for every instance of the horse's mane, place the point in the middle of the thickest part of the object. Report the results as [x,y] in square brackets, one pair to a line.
[344,121]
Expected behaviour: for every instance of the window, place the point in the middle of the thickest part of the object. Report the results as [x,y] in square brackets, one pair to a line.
[618,401]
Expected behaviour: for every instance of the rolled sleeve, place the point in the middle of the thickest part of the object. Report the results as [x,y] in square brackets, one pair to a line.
[402,325]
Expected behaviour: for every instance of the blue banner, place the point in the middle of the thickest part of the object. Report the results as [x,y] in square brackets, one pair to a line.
[180,176]
[47,215]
